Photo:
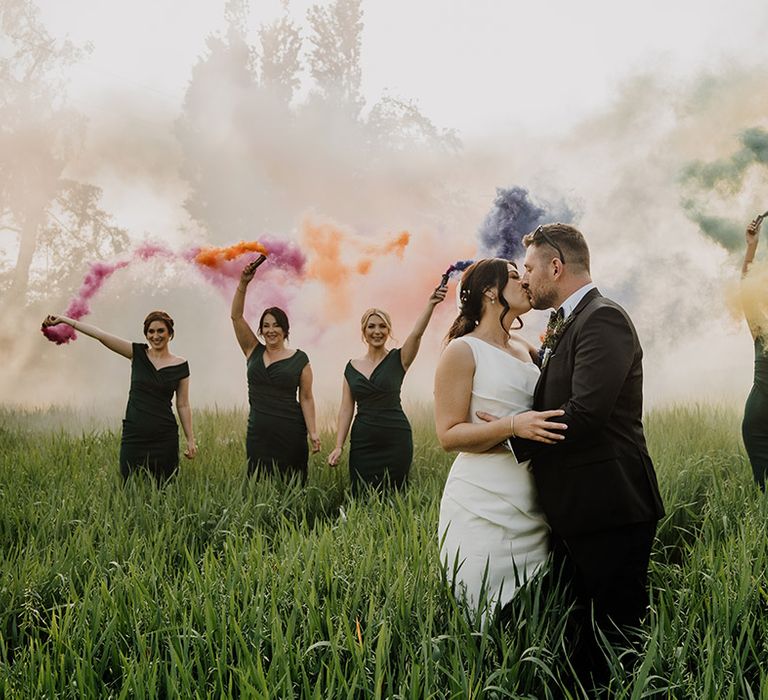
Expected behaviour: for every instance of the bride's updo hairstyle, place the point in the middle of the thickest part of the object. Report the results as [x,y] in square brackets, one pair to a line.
[478,278]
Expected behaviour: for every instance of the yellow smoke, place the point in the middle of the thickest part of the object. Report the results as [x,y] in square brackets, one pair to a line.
[748,298]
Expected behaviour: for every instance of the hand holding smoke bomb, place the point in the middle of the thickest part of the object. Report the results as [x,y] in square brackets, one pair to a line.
[52,320]
[754,227]
[438,295]
[250,269]
[58,329]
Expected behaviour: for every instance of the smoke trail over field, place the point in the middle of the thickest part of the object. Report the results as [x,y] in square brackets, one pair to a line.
[724,177]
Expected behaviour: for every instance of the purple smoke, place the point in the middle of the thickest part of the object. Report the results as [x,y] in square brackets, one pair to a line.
[513,215]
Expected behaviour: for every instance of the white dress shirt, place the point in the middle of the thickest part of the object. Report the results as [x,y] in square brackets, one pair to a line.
[573,301]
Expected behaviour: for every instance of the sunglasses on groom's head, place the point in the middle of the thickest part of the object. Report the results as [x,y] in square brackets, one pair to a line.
[541,235]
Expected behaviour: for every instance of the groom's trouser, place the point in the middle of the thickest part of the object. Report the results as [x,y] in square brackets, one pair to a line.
[607,574]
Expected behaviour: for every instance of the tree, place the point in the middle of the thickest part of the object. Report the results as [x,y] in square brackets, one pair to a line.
[76,231]
[280,56]
[398,125]
[234,122]
[38,136]
[334,59]
[256,159]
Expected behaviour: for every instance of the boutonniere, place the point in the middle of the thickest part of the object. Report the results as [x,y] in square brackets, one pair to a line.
[550,337]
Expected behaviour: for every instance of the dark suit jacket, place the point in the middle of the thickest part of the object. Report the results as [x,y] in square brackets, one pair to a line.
[601,476]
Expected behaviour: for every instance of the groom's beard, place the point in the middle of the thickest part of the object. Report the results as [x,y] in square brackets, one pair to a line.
[543,300]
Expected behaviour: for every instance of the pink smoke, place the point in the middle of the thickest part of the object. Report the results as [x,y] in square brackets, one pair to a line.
[219,266]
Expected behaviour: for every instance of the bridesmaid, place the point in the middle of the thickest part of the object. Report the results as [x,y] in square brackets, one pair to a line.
[381,444]
[276,439]
[150,439]
[754,427]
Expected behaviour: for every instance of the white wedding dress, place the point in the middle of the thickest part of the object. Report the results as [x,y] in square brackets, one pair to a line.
[494,536]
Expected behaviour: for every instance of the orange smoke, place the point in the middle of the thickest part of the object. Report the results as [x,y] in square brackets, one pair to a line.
[212,256]
[396,246]
[335,256]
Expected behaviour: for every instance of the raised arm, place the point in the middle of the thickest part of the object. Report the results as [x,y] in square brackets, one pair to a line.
[453,392]
[343,421]
[185,417]
[246,338]
[752,238]
[114,343]
[411,345]
[307,403]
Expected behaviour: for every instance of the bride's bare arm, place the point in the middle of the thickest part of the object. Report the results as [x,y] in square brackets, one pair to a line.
[453,392]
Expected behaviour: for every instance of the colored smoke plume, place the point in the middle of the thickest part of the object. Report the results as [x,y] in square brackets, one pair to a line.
[218,266]
[454,270]
[222,265]
[514,213]
[725,178]
[727,174]
[396,246]
[332,247]
[727,232]
[98,273]
[213,256]
[748,298]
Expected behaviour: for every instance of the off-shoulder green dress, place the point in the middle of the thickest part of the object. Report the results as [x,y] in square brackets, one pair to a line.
[150,438]
[381,443]
[277,434]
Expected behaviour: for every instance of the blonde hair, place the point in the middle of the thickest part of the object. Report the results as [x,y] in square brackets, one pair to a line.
[375,312]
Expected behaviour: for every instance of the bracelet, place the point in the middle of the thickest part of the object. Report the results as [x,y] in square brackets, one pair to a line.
[512,425]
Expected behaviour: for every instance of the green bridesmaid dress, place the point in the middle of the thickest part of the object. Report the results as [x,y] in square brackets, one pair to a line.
[381,444]
[150,434]
[754,427]
[277,434]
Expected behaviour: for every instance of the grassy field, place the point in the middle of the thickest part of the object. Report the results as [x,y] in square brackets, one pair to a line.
[214,587]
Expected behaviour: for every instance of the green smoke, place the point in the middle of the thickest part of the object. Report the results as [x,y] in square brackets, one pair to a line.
[724,176]
[727,232]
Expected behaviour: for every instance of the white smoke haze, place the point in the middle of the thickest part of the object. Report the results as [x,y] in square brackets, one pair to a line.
[237,163]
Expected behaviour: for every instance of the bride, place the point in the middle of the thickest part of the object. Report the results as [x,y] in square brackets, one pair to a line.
[493,534]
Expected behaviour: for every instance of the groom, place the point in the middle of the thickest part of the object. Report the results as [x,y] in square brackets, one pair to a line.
[597,486]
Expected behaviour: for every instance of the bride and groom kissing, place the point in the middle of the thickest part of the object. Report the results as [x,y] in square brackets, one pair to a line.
[553,466]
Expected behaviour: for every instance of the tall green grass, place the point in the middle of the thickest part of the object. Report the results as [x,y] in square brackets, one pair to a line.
[218,587]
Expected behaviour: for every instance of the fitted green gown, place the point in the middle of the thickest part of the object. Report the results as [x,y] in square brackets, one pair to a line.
[754,427]
[381,443]
[150,433]
[277,434]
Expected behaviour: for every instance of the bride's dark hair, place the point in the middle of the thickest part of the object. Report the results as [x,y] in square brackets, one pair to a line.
[479,277]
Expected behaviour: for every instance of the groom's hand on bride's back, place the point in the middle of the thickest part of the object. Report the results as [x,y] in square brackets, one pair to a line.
[532,425]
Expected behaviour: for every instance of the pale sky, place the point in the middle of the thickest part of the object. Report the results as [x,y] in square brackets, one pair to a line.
[473,65]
